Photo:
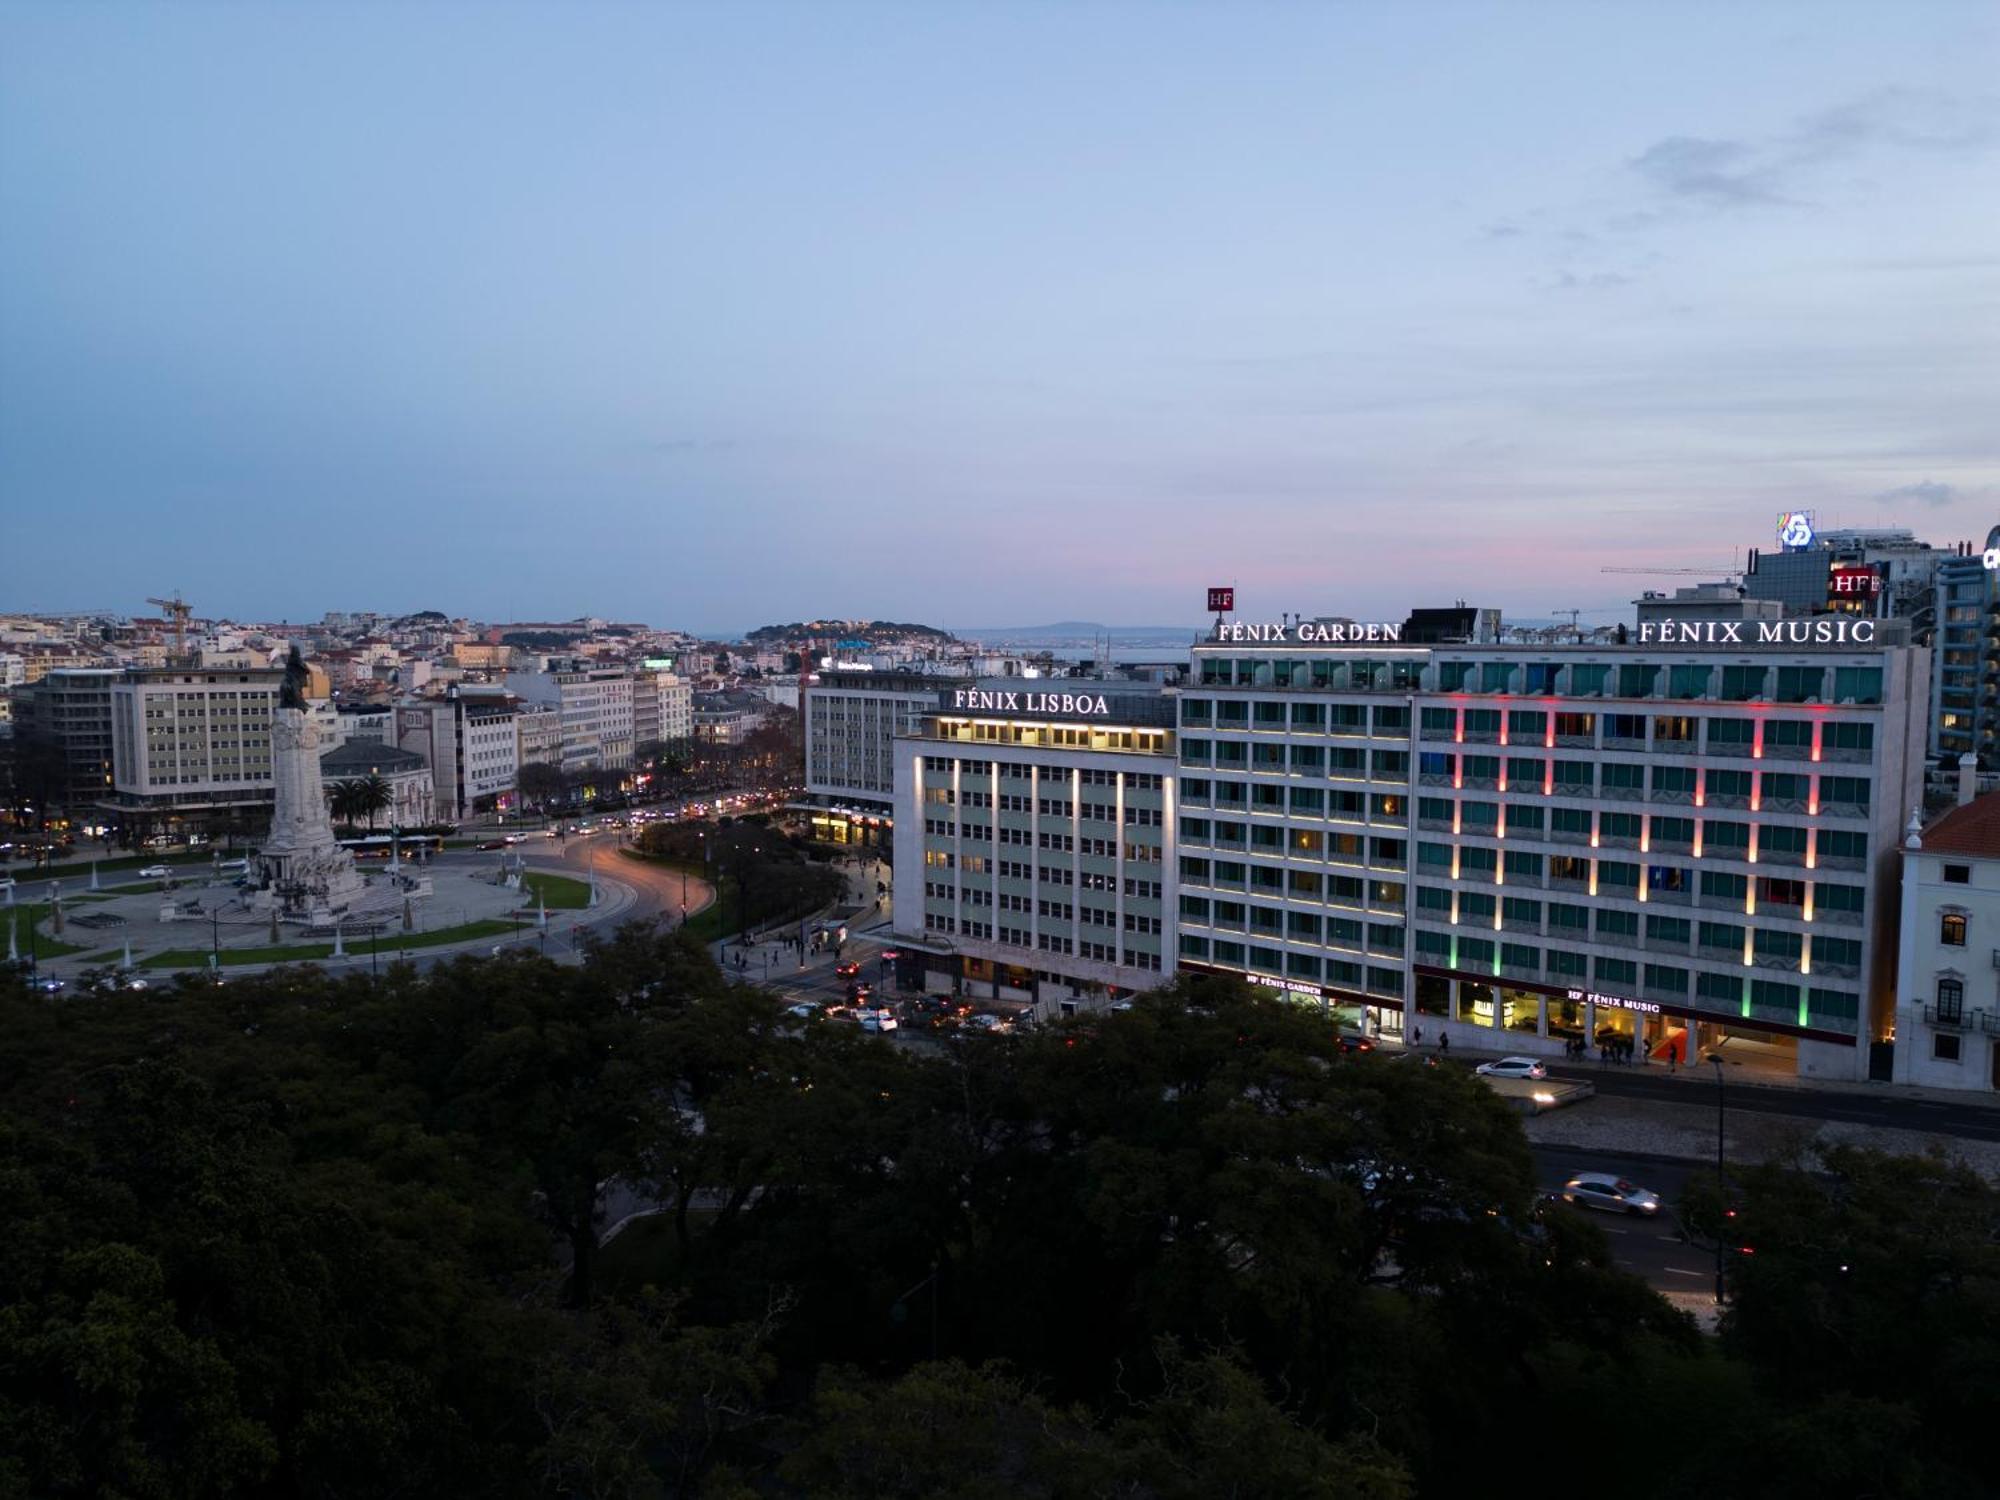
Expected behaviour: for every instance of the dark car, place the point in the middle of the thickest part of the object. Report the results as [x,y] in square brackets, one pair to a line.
[492,844]
[847,971]
[1349,1043]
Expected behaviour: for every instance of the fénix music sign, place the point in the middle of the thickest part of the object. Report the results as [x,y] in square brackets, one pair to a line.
[1008,701]
[1335,633]
[1824,630]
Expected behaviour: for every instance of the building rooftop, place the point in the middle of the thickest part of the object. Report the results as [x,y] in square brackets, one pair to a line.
[1973,828]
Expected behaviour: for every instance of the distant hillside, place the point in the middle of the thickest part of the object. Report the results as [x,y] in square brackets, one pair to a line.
[1080,630]
[800,631]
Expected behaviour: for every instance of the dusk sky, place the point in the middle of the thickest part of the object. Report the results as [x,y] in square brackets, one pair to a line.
[981,314]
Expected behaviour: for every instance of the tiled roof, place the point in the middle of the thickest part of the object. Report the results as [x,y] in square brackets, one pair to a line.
[1971,829]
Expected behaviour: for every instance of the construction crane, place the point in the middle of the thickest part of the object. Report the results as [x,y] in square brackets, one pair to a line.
[178,609]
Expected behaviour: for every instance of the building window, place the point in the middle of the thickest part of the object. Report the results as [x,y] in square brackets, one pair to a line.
[1958,874]
[1950,1001]
[1951,930]
[1944,1047]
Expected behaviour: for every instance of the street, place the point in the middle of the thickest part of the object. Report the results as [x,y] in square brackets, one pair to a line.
[1651,1249]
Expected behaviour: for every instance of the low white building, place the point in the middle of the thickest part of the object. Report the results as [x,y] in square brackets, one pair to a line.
[1948,998]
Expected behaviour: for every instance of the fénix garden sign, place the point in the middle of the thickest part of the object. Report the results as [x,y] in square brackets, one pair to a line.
[1823,630]
[1005,701]
[1338,633]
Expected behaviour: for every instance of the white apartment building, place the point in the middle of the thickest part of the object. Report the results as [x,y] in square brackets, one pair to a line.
[1948,1002]
[469,742]
[595,705]
[662,707]
[537,735]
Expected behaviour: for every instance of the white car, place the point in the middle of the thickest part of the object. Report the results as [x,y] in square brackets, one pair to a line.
[803,1011]
[877,1020]
[1514,1067]
[153,872]
[1612,1194]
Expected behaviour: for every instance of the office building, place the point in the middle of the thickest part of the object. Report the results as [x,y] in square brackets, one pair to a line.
[192,748]
[1965,659]
[469,742]
[852,721]
[595,705]
[1948,1016]
[662,707]
[71,707]
[1031,843]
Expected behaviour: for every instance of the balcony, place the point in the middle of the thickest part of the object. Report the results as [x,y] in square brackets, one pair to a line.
[1989,1021]
[1949,1017]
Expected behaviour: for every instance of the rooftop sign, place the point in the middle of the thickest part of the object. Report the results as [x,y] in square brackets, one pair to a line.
[1308,632]
[1009,701]
[1795,530]
[1822,630]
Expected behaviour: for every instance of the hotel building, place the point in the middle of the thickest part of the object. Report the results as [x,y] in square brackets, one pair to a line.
[1033,842]
[1683,842]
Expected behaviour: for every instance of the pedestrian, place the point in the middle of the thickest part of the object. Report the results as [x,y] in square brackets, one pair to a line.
[1444,1042]
[1673,1057]
[1416,1036]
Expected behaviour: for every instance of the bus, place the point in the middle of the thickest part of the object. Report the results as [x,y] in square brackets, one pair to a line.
[380,845]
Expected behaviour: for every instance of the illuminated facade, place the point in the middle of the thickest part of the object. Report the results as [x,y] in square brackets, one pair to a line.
[1675,845]
[1032,845]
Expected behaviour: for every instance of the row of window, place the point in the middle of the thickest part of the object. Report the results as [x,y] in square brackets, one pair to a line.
[1376,979]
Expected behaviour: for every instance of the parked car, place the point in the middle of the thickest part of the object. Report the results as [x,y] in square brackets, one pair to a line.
[1514,1067]
[154,872]
[1612,1194]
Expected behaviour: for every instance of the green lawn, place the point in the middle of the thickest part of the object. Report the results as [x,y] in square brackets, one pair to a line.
[25,918]
[142,888]
[388,945]
[560,891]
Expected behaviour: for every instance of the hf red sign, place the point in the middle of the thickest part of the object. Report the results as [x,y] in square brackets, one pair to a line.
[1844,582]
[1222,601]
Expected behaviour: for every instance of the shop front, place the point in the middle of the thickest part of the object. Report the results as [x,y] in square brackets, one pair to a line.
[1485,1015]
[1364,1015]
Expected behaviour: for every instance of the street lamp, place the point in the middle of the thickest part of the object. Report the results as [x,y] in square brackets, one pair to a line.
[1721,1194]
[214,940]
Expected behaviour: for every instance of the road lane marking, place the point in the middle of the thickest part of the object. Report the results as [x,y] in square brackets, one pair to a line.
[1677,1271]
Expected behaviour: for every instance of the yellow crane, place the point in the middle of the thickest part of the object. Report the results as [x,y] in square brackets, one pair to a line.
[178,609]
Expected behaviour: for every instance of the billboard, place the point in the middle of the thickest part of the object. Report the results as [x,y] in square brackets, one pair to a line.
[1221,601]
[1852,581]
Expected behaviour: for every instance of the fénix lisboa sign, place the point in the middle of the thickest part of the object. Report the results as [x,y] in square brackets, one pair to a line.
[1008,701]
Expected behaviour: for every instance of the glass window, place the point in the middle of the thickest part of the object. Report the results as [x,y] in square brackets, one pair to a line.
[1801,684]
[1951,930]
[1740,684]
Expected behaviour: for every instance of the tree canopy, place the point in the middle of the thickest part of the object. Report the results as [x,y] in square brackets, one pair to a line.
[307,1235]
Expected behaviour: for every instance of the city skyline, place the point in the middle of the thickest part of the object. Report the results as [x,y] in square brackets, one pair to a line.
[710,318]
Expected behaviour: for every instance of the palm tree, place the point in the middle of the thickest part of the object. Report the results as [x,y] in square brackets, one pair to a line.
[341,802]
[373,796]
[359,796]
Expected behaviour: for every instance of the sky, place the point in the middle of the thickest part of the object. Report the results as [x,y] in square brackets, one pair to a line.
[981,313]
